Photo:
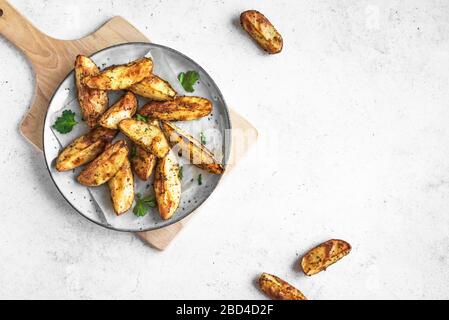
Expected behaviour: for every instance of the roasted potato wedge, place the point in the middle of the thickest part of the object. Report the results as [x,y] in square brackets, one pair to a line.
[124,108]
[93,102]
[278,289]
[323,255]
[181,108]
[154,122]
[84,149]
[122,76]
[191,149]
[121,187]
[105,166]
[167,186]
[262,31]
[154,88]
[143,163]
[145,135]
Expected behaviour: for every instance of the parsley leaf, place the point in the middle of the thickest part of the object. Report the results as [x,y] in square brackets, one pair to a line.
[200,179]
[133,152]
[188,79]
[180,173]
[65,122]
[143,205]
[149,201]
[141,118]
[139,209]
[203,138]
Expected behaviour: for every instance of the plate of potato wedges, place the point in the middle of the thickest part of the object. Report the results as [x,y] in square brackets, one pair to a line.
[137,136]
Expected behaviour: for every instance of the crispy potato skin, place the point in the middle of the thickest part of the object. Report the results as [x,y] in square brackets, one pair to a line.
[278,289]
[105,166]
[323,255]
[84,149]
[122,76]
[167,186]
[143,163]
[145,135]
[262,31]
[121,187]
[124,108]
[154,88]
[93,102]
[181,108]
[191,149]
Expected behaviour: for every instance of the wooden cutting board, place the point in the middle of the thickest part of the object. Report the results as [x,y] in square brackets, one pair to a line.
[52,59]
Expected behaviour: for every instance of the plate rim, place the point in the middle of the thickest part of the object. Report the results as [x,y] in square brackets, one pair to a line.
[228,139]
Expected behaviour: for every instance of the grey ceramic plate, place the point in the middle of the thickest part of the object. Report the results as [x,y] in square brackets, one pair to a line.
[94,203]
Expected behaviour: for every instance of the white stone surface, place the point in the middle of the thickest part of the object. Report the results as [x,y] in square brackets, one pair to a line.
[357,109]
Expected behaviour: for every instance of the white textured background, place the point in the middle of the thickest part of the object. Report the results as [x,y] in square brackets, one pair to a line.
[358,105]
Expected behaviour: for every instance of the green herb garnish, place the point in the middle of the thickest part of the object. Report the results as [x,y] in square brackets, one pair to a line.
[141,118]
[188,79]
[133,152]
[180,173]
[65,122]
[200,179]
[143,205]
[203,138]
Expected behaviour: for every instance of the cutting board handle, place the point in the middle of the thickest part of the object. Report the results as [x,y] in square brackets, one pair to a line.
[21,32]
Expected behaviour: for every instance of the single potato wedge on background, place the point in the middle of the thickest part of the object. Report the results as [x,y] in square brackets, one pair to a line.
[93,102]
[167,186]
[122,76]
[84,149]
[124,108]
[154,88]
[105,166]
[278,289]
[191,149]
[121,187]
[145,135]
[262,31]
[181,108]
[323,255]
[143,163]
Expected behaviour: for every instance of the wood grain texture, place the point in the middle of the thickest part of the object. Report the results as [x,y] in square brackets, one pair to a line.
[244,136]
[52,59]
